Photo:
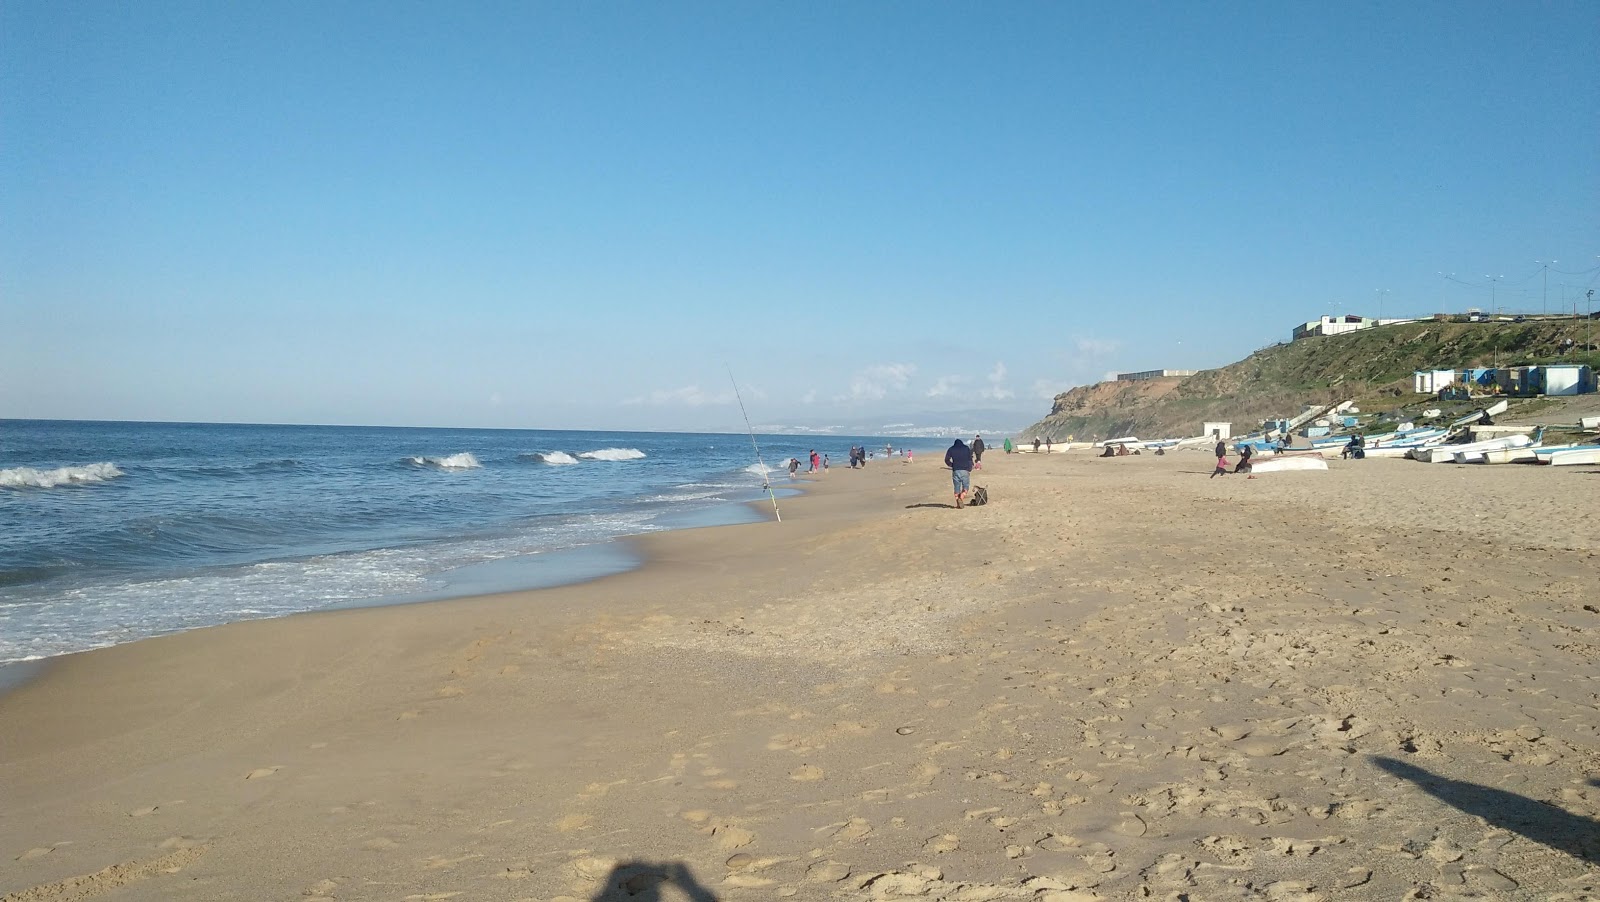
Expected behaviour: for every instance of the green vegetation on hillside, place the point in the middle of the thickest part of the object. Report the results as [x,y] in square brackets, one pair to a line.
[1372,367]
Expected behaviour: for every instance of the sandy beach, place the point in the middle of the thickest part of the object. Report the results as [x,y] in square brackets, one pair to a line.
[1119,680]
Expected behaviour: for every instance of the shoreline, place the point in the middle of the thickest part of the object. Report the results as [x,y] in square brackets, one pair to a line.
[1117,679]
[531,572]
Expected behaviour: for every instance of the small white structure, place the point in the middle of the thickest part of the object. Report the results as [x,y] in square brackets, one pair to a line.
[1428,382]
[1566,380]
[1217,430]
[1332,325]
[1147,375]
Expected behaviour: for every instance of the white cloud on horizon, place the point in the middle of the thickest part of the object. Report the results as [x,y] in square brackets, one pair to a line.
[687,396]
[876,382]
[1047,389]
[998,390]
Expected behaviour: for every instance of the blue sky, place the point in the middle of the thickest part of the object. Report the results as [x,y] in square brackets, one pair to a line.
[582,215]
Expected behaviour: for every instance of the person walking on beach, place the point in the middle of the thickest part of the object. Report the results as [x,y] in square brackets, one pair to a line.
[1222,465]
[977,452]
[794,466]
[959,460]
[824,463]
[816,462]
[1008,445]
[1036,444]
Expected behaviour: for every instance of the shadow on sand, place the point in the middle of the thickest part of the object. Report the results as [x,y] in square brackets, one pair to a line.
[1539,821]
[930,504]
[641,881]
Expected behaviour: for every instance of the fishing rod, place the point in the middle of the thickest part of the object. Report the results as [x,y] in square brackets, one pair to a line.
[765,482]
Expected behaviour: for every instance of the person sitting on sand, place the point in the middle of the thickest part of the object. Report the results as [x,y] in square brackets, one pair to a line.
[1244,460]
[1109,452]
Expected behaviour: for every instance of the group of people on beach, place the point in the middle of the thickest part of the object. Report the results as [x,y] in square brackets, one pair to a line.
[1245,451]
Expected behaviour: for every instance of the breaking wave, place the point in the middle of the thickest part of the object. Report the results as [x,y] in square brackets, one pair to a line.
[28,477]
[613,454]
[554,458]
[462,461]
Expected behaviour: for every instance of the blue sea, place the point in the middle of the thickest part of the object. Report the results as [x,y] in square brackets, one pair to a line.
[112,532]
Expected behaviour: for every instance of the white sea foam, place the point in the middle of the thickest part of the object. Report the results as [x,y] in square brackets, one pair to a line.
[760,470]
[101,614]
[461,461]
[557,458]
[613,454]
[28,477]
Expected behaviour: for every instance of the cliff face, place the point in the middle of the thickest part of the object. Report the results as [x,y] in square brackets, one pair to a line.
[1372,367]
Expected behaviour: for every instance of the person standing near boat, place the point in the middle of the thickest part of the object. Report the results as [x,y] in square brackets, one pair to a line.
[959,460]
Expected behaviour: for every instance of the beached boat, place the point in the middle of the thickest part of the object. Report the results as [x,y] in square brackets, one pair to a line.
[1446,454]
[1283,463]
[1589,454]
[1502,456]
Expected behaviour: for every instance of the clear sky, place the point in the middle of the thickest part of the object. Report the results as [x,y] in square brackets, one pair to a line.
[582,214]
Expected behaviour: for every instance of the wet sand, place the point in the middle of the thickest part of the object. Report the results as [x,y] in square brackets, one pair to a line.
[1119,680]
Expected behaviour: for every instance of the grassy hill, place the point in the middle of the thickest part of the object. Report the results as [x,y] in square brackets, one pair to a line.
[1373,367]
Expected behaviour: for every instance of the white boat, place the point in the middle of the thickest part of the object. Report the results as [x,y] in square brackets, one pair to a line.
[1286,462]
[1573,456]
[1393,451]
[1502,456]
[1446,454]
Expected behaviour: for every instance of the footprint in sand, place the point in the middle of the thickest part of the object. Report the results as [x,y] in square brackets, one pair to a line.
[828,871]
[260,772]
[807,773]
[573,823]
[855,828]
[947,842]
[730,837]
[441,863]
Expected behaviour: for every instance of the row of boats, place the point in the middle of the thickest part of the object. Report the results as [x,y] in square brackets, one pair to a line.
[1444,444]
[1430,444]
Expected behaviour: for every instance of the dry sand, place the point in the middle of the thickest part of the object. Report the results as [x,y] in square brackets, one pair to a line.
[1119,680]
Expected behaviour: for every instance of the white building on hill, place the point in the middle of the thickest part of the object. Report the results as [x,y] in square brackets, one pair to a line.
[1333,325]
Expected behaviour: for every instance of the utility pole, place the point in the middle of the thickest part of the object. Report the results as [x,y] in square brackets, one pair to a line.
[1588,318]
[1381,292]
[1443,279]
[1545,302]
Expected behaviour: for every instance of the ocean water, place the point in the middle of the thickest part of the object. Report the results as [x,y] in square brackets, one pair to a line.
[111,532]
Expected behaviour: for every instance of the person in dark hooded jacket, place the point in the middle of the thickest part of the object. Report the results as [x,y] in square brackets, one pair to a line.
[959,460]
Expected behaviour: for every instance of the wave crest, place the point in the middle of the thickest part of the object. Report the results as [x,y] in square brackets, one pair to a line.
[28,477]
[613,454]
[555,458]
[461,461]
